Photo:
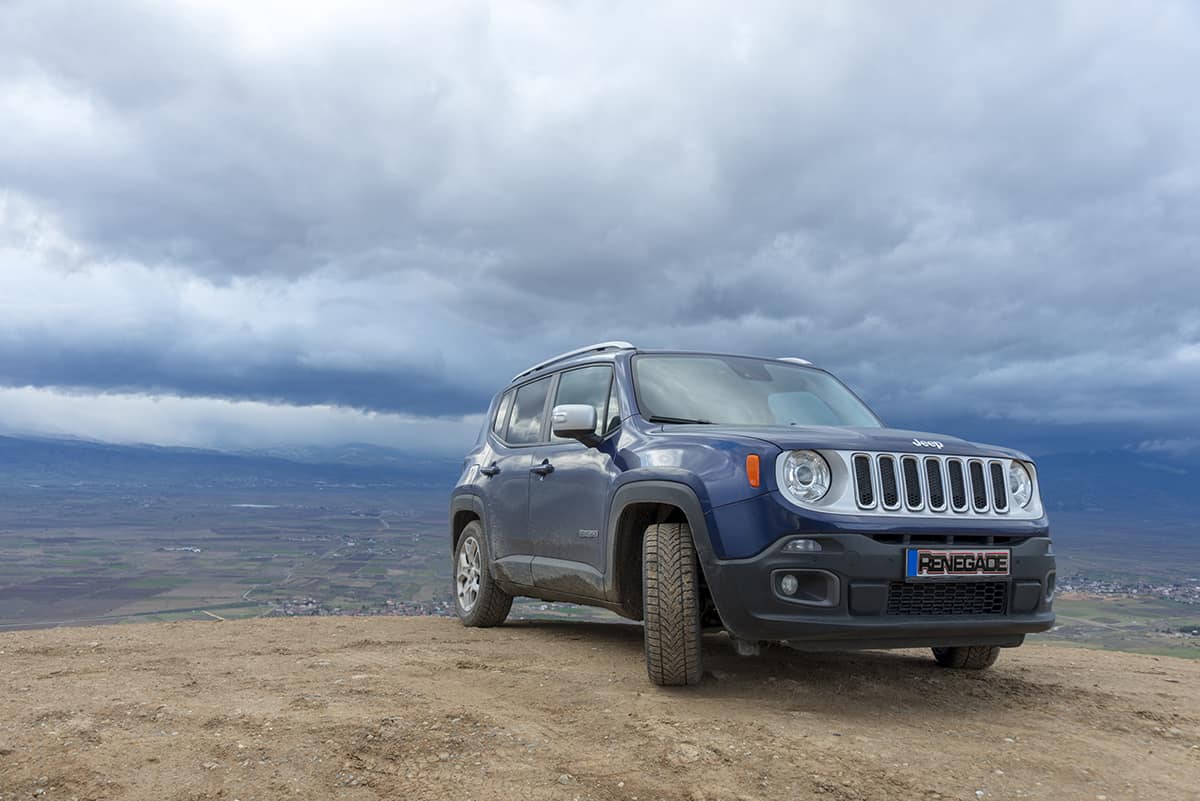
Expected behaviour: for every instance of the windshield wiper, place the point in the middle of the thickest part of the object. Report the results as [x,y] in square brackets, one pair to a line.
[658,418]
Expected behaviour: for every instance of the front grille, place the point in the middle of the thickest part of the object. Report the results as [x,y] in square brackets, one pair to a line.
[911,483]
[958,485]
[999,490]
[862,480]
[935,599]
[933,480]
[979,488]
[887,482]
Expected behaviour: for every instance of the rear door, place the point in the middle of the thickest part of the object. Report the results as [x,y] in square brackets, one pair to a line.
[515,435]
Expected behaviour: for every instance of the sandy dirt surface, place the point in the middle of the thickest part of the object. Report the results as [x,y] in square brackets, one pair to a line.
[421,708]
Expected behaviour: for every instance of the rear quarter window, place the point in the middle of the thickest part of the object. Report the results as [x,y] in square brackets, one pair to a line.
[500,421]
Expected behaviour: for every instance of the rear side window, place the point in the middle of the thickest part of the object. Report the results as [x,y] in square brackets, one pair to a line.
[525,422]
[500,422]
[588,386]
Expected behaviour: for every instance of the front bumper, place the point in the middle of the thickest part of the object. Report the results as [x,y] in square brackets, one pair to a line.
[853,594]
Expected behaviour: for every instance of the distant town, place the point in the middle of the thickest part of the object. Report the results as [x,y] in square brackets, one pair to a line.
[1186,591]
[313,607]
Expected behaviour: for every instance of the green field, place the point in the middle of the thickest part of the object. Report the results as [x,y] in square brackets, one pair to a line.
[1143,625]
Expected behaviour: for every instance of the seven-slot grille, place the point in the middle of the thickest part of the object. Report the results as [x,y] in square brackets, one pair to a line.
[922,483]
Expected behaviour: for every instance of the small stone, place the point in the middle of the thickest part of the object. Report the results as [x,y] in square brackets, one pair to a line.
[566,778]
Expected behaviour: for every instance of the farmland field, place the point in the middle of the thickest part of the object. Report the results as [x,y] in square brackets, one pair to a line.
[83,554]
[69,557]
[1128,623]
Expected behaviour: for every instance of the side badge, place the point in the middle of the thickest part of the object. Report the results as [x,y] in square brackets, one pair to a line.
[588,533]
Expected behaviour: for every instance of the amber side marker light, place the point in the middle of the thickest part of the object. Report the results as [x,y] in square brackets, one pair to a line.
[752,470]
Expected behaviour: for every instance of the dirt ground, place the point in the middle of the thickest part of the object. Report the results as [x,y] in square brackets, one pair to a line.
[421,708]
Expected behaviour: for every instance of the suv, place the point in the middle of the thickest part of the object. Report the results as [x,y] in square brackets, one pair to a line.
[699,491]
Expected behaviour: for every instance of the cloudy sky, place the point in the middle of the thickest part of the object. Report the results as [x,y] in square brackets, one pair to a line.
[246,224]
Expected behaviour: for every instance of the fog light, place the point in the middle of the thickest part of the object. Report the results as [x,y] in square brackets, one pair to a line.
[802,546]
[789,584]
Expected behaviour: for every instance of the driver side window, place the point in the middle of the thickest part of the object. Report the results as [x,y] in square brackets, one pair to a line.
[590,386]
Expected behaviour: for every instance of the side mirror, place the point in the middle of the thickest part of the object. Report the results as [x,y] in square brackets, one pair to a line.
[575,421]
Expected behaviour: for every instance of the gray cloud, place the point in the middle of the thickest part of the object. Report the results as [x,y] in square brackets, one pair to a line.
[982,210]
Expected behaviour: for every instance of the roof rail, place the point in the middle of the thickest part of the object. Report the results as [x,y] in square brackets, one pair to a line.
[599,346]
[794,360]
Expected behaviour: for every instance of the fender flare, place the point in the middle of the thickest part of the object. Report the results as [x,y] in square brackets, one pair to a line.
[466,502]
[669,492]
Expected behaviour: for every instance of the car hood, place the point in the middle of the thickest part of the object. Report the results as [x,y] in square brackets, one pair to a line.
[854,439]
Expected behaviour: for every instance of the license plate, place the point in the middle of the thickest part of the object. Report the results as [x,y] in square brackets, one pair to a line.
[956,562]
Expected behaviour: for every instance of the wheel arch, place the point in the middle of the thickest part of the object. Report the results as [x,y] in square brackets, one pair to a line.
[635,506]
[464,509]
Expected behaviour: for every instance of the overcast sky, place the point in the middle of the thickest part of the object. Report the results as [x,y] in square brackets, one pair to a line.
[244,224]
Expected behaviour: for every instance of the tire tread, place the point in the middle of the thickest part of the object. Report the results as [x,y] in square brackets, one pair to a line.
[967,657]
[672,605]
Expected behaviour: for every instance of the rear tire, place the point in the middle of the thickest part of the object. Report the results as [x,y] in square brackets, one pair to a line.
[477,598]
[967,657]
[671,593]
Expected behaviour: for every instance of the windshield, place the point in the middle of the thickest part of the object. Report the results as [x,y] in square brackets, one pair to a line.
[735,390]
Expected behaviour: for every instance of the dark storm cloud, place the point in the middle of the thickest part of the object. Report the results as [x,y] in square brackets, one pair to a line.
[139,369]
[988,209]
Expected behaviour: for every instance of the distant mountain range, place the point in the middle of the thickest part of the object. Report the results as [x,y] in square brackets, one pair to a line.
[1121,481]
[26,462]
[1099,481]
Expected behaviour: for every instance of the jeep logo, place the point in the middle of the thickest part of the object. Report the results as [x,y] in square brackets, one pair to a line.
[927,443]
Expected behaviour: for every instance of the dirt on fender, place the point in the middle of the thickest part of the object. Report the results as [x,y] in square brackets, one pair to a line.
[422,708]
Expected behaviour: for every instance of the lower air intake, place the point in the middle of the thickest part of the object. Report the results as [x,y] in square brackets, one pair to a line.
[935,599]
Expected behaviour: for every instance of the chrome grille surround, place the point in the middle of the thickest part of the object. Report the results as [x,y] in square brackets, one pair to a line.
[921,485]
[925,478]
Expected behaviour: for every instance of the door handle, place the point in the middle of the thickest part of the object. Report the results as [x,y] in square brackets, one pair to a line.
[491,470]
[543,469]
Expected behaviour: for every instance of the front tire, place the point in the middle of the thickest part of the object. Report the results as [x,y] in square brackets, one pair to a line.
[478,599]
[967,657]
[671,594]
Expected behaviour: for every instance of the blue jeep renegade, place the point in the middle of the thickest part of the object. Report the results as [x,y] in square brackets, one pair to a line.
[700,491]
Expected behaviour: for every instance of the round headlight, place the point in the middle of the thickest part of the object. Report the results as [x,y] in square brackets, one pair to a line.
[1020,484]
[806,476]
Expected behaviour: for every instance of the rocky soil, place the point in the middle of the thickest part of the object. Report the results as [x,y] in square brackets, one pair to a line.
[421,708]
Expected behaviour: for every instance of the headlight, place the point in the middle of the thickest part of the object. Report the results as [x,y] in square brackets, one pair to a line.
[1020,484]
[806,476]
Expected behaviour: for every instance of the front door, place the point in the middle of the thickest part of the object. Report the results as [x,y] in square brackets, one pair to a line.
[569,490]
